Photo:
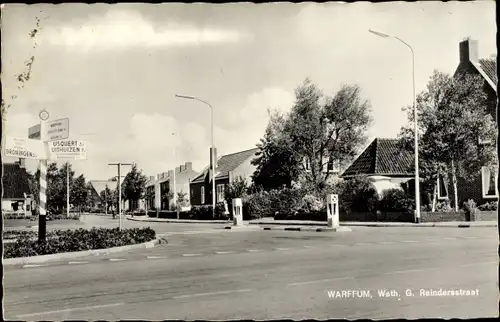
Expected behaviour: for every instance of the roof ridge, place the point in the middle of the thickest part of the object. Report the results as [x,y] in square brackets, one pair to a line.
[225,155]
[376,143]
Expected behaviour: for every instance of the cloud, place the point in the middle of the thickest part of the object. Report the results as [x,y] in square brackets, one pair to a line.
[122,29]
[17,125]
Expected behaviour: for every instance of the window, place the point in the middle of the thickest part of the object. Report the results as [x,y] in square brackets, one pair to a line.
[332,166]
[307,164]
[442,188]
[489,179]
[202,195]
[220,192]
[481,141]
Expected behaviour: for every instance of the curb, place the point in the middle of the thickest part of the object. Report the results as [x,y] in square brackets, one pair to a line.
[310,229]
[244,227]
[62,256]
[182,221]
[438,225]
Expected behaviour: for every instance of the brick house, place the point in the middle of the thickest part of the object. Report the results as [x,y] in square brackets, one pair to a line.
[378,158]
[484,188]
[15,186]
[228,167]
[385,164]
[160,185]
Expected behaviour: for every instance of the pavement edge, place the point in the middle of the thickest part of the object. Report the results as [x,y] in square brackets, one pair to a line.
[62,256]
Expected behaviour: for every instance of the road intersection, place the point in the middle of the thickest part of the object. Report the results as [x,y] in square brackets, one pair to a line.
[211,273]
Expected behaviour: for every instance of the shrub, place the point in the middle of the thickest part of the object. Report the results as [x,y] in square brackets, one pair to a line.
[444,206]
[78,240]
[357,195]
[396,200]
[469,209]
[489,206]
[257,205]
[311,203]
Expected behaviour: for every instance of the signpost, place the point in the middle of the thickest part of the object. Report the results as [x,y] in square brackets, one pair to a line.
[67,149]
[34,132]
[24,148]
[56,130]
[42,229]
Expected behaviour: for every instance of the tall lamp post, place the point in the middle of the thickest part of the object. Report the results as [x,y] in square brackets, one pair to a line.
[417,181]
[212,154]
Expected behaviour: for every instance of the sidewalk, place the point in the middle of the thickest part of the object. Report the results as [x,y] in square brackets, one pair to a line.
[299,223]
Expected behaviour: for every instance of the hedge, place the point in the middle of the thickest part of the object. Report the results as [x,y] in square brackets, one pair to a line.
[63,241]
[50,217]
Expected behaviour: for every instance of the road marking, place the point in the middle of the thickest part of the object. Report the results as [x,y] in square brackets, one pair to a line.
[221,253]
[472,237]
[449,238]
[75,263]
[386,242]
[154,257]
[307,246]
[320,281]
[362,244]
[70,310]
[279,248]
[410,241]
[336,245]
[254,250]
[210,293]
[188,255]
[116,259]
[34,265]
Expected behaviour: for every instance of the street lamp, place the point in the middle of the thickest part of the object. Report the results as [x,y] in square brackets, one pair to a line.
[212,154]
[417,181]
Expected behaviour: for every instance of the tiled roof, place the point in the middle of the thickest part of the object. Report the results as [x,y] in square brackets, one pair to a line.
[227,163]
[383,157]
[15,181]
[490,69]
[100,185]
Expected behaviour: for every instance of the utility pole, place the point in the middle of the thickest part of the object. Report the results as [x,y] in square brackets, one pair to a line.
[67,189]
[119,164]
[174,179]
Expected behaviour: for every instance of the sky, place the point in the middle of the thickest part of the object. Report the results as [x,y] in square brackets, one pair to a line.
[114,70]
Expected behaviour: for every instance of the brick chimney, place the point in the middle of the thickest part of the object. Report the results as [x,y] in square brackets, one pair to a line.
[188,166]
[468,51]
[181,168]
[214,158]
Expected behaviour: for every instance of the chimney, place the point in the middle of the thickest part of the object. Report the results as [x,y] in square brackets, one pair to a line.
[152,178]
[177,170]
[158,176]
[22,163]
[230,176]
[170,173]
[188,166]
[214,158]
[468,51]
[181,168]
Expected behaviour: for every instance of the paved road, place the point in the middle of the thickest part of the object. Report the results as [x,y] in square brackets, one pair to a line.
[268,275]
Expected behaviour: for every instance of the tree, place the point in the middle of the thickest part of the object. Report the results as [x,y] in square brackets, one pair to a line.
[452,118]
[65,169]
[148,197]
[134,186]
[34,184]
[276,163]
[55,200]
[23,77]
[107,197]
[79,192]
[322,129]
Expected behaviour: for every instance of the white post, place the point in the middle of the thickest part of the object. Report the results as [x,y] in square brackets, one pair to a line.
[43,189]
[67,189]
[237,212]
[332,210]
[119,197]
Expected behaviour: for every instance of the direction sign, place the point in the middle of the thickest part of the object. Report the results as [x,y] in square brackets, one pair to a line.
[67,149]
[24,148]
[56,130]
[34,132]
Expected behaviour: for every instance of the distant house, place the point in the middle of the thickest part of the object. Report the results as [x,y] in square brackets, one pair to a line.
[385,164]
[484,188]
[98,186]
[228,167]
[160,185]
[15,186]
